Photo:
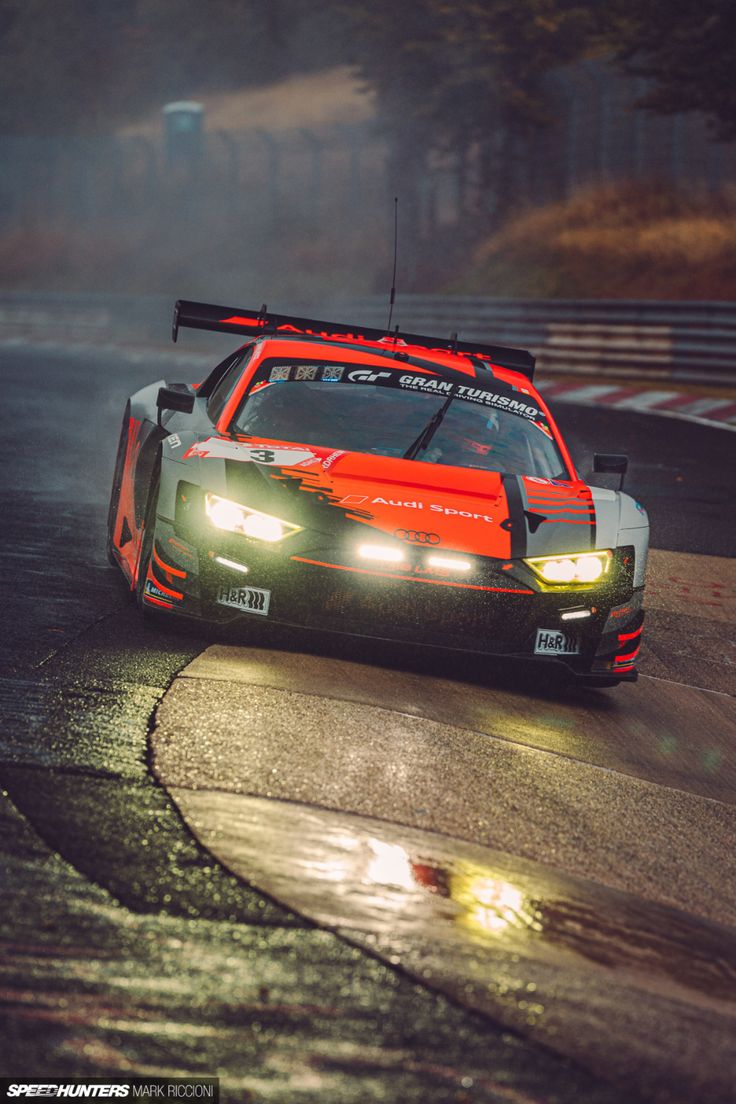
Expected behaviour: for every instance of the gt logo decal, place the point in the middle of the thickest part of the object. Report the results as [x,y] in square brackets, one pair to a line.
[364,375]
[416,536]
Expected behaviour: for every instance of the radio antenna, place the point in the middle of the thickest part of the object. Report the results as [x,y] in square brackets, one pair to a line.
[392,296]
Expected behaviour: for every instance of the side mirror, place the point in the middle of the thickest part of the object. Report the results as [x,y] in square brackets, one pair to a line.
[173,398]
[611,462]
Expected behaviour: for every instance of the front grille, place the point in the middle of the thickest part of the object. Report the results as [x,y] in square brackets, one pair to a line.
[402,609]
[343,598]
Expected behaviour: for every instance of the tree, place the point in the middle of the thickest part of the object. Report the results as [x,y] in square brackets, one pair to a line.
[84,65]
[469,73]
[687,49]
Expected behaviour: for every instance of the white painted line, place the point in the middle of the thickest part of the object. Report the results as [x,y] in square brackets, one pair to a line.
[705,406]
[709,423]
[591,393]
[645,399]
[682,414]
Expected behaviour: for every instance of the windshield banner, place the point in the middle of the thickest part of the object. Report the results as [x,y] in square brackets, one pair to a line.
[497,396]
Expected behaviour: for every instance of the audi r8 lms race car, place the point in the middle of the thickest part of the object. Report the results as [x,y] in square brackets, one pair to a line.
[391,486]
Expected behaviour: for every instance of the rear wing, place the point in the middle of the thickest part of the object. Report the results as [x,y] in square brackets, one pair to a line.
[207,316]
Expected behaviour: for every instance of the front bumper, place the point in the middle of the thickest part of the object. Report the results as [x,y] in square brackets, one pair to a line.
[501,612]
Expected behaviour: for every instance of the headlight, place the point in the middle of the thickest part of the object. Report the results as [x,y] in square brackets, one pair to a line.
[235,518]
[578,569]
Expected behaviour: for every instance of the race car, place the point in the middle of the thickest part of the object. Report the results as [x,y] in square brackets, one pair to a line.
[386,485]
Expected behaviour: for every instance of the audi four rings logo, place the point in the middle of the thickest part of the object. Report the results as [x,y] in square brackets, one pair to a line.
[416,536]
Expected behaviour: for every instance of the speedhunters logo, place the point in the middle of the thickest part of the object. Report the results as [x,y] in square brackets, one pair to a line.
[65,1089]
[204,1089]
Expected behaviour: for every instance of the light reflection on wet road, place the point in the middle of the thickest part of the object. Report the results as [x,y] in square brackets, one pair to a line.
[545,954]
[666,732]
[606,970]
[450,757]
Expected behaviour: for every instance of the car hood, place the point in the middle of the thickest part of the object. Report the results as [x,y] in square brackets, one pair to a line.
[459,509]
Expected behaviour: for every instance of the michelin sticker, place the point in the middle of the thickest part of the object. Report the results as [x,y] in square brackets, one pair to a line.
[151,589]
[280,456]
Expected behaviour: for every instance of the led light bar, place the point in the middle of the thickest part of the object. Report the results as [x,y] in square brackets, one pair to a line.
[450,562]
[381,552]
[232,564]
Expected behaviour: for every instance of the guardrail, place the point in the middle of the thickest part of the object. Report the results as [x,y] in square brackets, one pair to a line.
[692,342]
[36,316]
[684,341]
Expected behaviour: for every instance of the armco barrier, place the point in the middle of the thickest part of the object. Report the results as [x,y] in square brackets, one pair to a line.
[693,342]
[683,341]
[85,318]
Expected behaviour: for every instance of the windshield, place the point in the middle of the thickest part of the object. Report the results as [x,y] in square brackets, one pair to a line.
[401,414]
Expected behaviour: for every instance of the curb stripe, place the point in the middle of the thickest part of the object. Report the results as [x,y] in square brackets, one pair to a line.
[706,410]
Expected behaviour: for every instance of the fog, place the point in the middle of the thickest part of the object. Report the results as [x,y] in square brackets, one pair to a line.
[237,151]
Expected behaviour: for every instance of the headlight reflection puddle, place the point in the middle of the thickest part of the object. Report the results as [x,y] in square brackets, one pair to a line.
[404,891]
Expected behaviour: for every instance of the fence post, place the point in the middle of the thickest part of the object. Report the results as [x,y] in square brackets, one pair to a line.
[605,110]
[715,165]
[676,148]
[273,154]
[232,154]
[639,135]
[316,149]
[354,178]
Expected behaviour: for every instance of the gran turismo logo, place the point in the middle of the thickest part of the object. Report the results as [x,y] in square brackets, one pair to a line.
[364,375]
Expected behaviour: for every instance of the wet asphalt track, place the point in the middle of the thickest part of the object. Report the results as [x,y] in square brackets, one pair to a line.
[126,942]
